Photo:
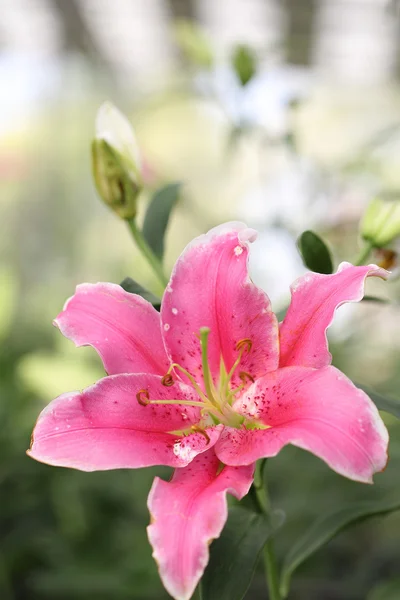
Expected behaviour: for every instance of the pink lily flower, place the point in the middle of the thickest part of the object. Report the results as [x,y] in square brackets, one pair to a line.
[209,386]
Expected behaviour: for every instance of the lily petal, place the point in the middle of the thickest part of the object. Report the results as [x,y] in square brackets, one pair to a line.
[315,298]
[187,513]
[210,287]
[319,410]
[123,328]
[105,427]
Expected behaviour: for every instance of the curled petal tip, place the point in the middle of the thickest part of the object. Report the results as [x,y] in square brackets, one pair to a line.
[378,271]
[373,269]
[247,235]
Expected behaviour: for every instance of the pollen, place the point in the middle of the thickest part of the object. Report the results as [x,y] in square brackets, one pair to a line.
[167,380]
[166,326]
[143,397]
[246,343]
[245,376]
[238,250]
[174,311]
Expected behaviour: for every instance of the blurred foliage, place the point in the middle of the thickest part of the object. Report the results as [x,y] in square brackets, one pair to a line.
[244,63]
[193,43]
[158,215]
[241,542]
[314,252]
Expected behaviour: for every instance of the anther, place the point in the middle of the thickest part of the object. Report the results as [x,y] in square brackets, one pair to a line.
[245,376]
[167,380]
[197,429]
[388,258]
[246,344]
[143,397]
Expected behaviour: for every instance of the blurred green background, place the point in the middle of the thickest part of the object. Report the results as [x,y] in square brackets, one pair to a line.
[308,147]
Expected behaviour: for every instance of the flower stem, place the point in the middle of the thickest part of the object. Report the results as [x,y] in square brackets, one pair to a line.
[271,570]
[147,252]
[264,506]
[364,253]
[199,592]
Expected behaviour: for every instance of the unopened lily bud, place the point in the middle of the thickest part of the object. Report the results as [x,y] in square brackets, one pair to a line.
[116,162]
[381,222]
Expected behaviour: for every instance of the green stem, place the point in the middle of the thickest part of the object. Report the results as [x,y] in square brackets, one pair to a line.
[199,592]
[264,505]
[271,570]
[364,253]
[147,252]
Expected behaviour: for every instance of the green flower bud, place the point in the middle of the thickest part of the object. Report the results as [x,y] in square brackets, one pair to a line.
[381,222]
[116,162]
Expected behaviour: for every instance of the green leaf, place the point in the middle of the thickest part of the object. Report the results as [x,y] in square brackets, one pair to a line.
[375,299]
[133,287]
[325,528]
[244,62]
[157,217]
[390,590]
[315,253]
[386,403]
[234,555]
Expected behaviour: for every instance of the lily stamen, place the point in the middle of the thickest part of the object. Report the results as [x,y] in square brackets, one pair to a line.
[245,343]
[189,376]
[143,397]
[176,401]
[205,406]
[241,346]
[167,380]
[245,376]
[197,429]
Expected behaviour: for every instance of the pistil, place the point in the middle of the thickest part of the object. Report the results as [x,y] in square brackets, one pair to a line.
[207,377]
